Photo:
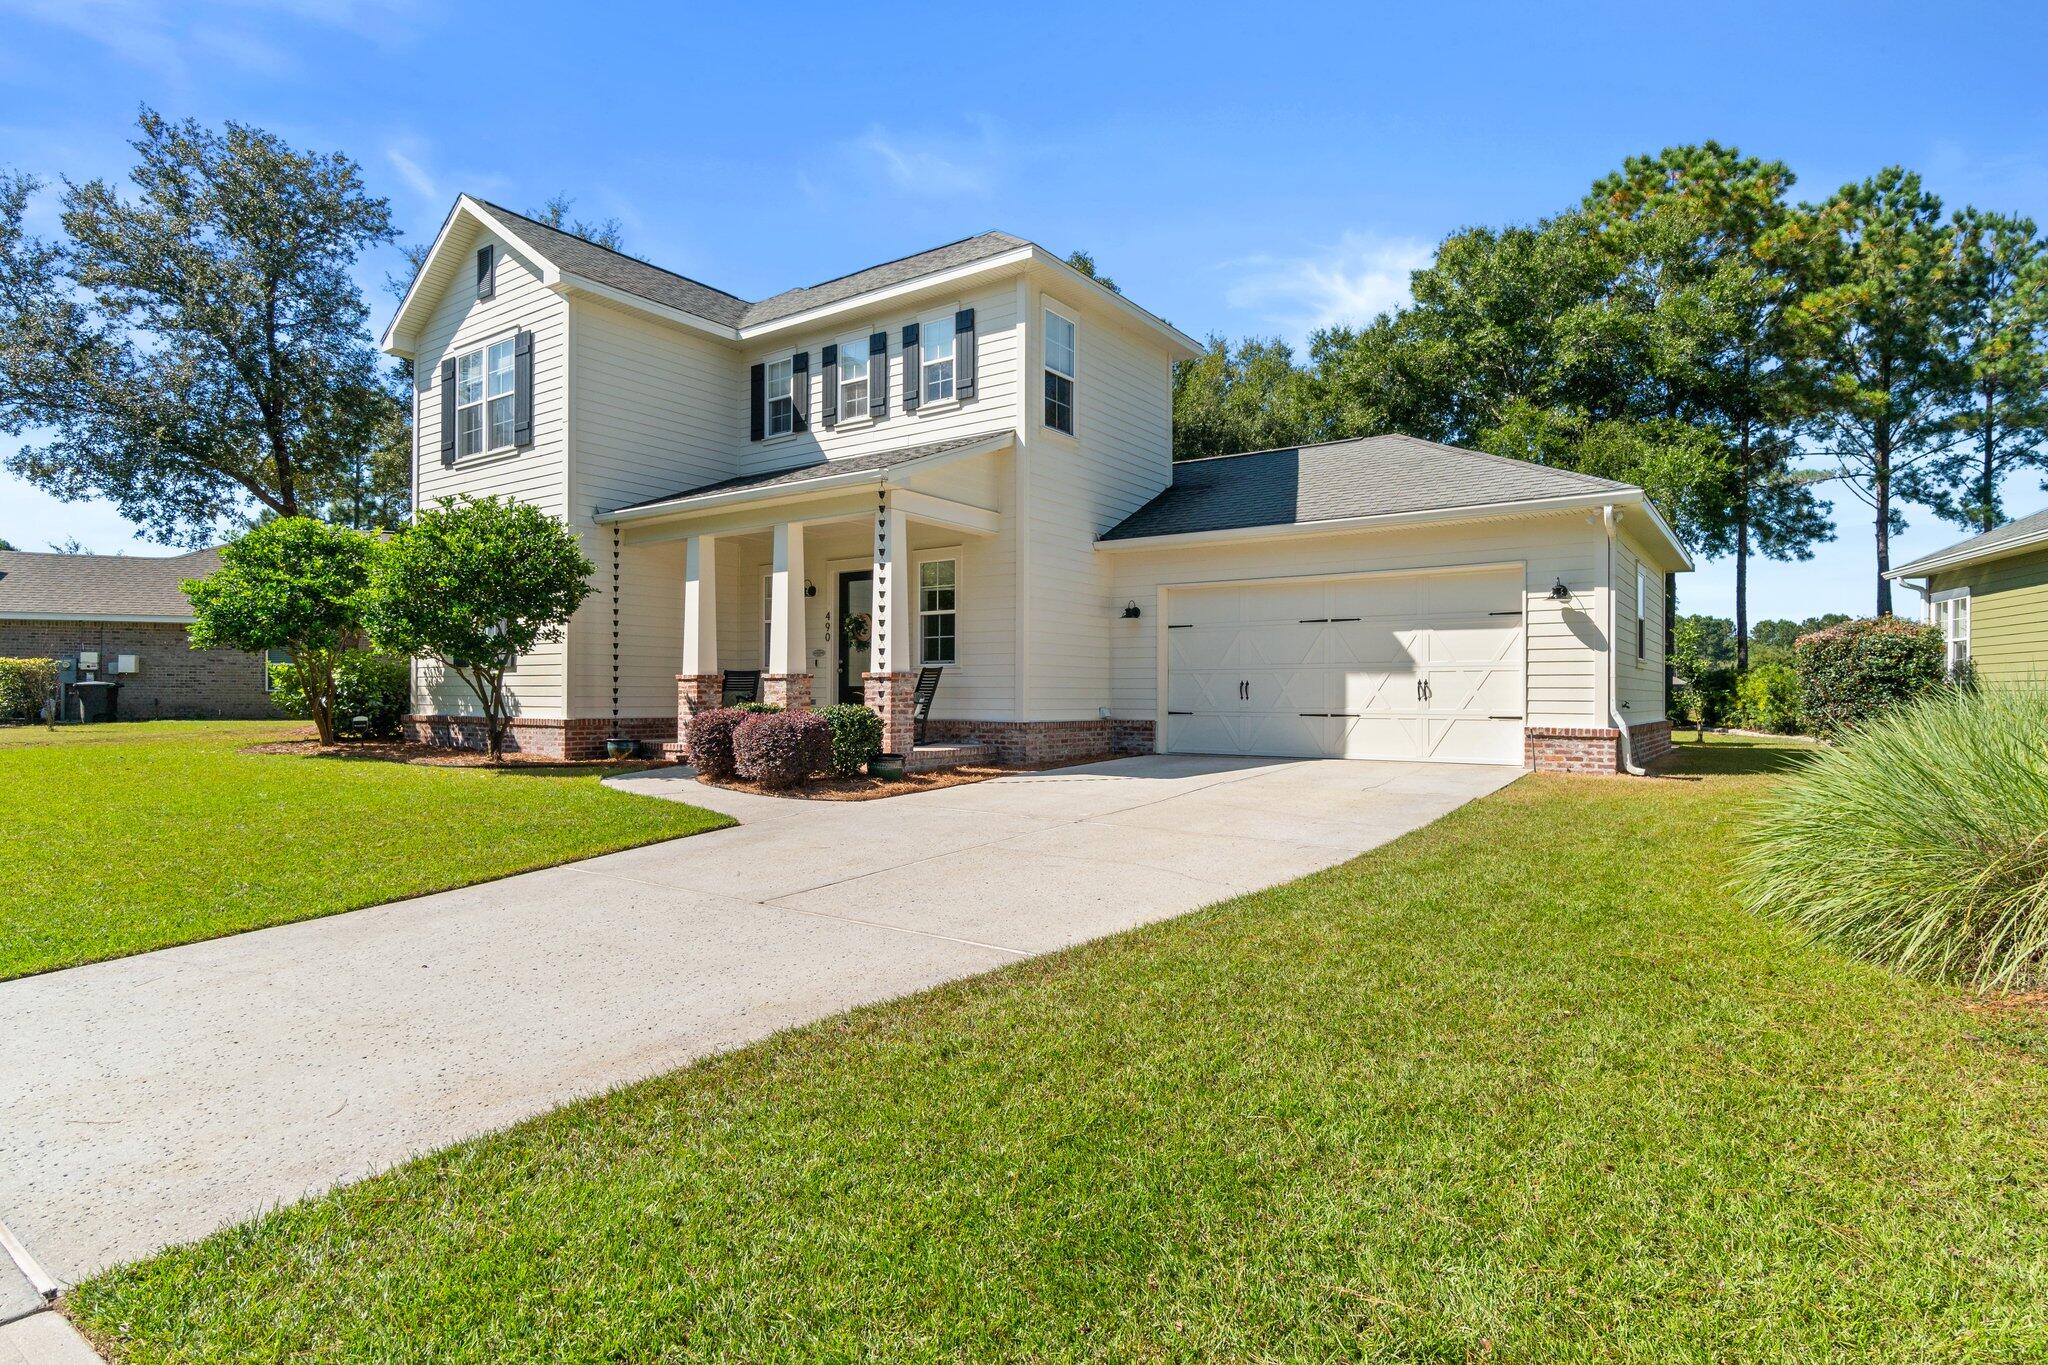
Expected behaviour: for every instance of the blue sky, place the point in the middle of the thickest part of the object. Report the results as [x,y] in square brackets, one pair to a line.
[1237,170]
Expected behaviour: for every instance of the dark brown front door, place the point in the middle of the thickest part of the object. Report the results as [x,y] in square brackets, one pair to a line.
[856,632]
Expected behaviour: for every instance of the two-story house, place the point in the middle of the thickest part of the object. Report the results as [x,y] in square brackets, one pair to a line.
[963,459]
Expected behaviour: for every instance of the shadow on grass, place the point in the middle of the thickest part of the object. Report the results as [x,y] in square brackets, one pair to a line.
[1735,756]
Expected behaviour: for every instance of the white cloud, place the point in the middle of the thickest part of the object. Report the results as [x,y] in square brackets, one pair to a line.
[1351,282]
[179,40]
[401,153]
[933,166]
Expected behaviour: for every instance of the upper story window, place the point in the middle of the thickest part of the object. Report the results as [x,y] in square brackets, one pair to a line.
[781,398]
[936,356]
[1951,611]
[486,398]
[1642,600]
[1059,372]
[853,378]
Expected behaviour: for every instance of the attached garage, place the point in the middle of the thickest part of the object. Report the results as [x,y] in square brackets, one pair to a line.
[1396,599]
[1416,666]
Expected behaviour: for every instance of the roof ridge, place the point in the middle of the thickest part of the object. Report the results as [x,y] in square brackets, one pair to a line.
[893,260]
[1402,436]
[622,255]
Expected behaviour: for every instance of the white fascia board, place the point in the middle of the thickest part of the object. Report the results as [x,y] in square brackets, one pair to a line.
[110,616]
[959,274]
[1961,556]
[948,512]
[398,338]
[1492,511]
[1184,346]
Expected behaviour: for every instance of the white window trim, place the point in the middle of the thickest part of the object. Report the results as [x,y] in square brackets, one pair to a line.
[1048,310]
[1945,621]
[946,555]
[767,618]
[1642,618]
[768,399]
[265,659]
[856,347]
[929,327]
[482,351]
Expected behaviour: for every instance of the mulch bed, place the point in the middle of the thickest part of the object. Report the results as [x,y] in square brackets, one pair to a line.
[438,756]
[874,788]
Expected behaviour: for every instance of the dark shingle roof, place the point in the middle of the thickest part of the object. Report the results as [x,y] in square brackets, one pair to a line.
[819,469]
[1986,546]
[642,280]
[100,585]
[1373,476]
[620,271]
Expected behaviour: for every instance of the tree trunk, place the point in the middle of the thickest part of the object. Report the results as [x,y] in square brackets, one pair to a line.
[1987,517]
[1742,557]
[1881,489]
[317,686]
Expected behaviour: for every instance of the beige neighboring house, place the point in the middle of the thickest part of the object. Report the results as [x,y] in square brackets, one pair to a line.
[121,619]
[962,460]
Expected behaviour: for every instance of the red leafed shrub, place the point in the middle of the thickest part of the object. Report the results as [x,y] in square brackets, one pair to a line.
[782,750]
[711,740]
[1853,673]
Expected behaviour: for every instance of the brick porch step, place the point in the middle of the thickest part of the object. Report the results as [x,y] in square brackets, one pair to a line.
[926,757]
[672,751]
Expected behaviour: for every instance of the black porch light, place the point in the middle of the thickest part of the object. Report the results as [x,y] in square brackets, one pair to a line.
[1131,612]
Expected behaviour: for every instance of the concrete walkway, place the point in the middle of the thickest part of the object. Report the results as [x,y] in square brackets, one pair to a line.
[155,1099]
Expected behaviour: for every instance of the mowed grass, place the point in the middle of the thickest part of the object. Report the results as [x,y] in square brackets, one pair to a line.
[123,838]
[1522,1086]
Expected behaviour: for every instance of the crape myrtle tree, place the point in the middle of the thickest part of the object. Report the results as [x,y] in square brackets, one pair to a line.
[196,348]
[293,584]
[473,584]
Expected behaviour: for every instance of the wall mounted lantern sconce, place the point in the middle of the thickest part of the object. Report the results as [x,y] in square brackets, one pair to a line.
[1559,592]
[810,588]
[1131,612]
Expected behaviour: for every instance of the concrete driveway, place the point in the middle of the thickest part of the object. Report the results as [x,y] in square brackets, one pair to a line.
[157,1098]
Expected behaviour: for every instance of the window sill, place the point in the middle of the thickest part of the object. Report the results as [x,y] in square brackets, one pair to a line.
[1053,431]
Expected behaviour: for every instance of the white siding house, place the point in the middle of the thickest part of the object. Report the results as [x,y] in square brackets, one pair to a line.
[957,468]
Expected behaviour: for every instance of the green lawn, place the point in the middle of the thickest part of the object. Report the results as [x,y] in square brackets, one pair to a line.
[123,838]
[1522,1086]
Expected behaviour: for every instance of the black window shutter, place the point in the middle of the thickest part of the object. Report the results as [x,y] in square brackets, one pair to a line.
[757,388]
[913,368]
[486,271]
[828,360]
[522,389]
[878,376]
[963,353]
[448,412]
[800,391]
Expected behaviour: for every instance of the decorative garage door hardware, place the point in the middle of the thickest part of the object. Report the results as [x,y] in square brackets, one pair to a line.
[1422,689]
[1325,620]
[1516,612]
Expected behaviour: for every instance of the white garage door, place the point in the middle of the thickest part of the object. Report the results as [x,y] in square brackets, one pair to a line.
[1401,666]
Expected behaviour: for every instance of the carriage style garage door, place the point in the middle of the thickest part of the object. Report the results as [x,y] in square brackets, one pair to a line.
[1401,666]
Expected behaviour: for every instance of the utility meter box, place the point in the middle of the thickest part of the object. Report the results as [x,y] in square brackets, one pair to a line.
[88,661]
[126,663]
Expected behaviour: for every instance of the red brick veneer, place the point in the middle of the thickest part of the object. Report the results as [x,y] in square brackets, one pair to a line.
[582,737]
[893,697]
[176,681]
[1649,742]
[1047,741]
[1567,749]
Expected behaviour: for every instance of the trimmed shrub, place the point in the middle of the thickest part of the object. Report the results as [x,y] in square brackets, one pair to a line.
[782,749]
[1917,842]
[856,737]
[25,684]
[710,738]
[758,708]
[375,687]
[1855,672]
[1767,698]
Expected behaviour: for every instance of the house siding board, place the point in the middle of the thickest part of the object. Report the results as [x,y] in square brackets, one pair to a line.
[2008,616]
[1563,640]
[1638,682]
[535,474]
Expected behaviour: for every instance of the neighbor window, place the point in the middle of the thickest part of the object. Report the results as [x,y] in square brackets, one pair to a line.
[1059,372]
[1952,615]
[486,394]
[1642,597]
[937,619]
[853,379]
[936,341]
[272,657]
[781,399]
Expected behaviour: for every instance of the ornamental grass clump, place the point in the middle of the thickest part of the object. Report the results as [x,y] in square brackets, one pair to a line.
[1920,841]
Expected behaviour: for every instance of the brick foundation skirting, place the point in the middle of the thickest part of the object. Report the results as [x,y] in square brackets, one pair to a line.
[1564,749]
[1046,741]
[1649,742]
[582,737]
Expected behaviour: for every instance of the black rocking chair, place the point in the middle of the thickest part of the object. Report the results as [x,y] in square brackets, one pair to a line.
[741,684]
[921,708]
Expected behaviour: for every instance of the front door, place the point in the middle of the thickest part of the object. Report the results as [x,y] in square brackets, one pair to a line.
[856,632]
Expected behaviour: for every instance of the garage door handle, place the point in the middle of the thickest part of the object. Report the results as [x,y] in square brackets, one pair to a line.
[1503,717]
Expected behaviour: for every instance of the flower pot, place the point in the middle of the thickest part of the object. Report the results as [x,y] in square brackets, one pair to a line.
[886,765]
[621,748]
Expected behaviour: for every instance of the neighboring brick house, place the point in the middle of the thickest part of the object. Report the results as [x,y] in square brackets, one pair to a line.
[59,606]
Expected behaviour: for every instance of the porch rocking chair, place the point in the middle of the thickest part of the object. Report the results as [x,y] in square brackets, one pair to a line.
[921,707]
[741,684]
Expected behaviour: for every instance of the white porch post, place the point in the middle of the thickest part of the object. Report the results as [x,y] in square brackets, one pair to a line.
[889,688]
[787,680]
[700,606]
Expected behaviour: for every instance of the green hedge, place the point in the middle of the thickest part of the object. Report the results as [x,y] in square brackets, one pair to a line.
[1853,673]
[369,687]
[1767,698]
[25,684]
[856,737]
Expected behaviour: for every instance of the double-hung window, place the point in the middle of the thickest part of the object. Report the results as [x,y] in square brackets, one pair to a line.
[767,618]
[486,396]
[853,378]
[781,398]
[1952,613]
[1642,612]
[1059,372]
[935,343]
[937,610]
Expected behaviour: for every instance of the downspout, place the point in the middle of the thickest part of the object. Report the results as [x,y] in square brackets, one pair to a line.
[1608,519]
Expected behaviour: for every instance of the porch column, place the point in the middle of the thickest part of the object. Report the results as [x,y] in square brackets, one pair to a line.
[788,679]
[888,690]
[700,686]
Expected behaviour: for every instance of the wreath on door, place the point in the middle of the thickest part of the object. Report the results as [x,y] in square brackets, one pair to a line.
[859,629]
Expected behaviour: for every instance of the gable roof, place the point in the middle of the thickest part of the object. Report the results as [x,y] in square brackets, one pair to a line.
[2014,537]
[99,587]
[580,256]
[966,251]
